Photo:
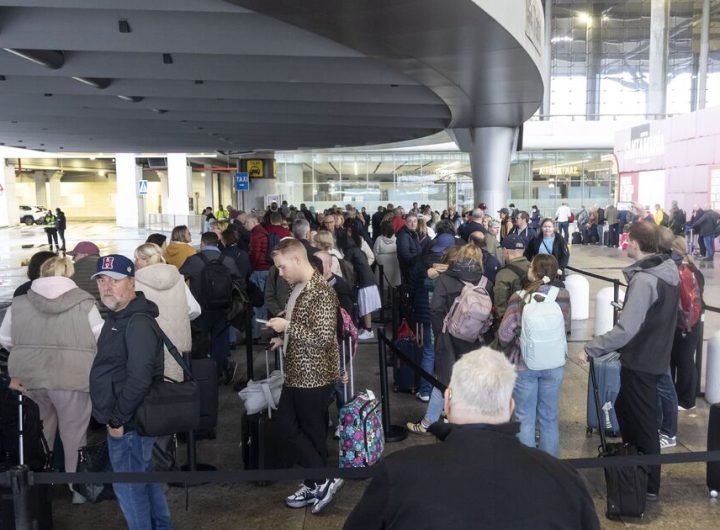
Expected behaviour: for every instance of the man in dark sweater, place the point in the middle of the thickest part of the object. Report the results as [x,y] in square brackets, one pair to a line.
[480,476]
[643,336]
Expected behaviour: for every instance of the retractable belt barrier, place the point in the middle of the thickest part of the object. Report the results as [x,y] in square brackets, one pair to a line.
[282,475]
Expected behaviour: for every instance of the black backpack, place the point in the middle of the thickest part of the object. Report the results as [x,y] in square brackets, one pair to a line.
[273,240]
[216,285]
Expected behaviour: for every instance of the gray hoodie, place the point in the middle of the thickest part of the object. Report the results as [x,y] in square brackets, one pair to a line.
[645,329]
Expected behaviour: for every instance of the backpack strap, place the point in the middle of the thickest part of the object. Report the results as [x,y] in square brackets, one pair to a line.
[483,282]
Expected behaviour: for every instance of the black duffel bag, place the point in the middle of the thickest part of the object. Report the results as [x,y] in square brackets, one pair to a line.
[170,406]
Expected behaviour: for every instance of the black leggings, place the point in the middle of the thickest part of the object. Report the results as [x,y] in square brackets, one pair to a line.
[52,236]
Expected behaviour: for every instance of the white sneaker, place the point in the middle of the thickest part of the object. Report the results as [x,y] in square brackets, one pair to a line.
[422,397]
[77,498]
[366,334]
[302,497]
[666,442]
[326,492]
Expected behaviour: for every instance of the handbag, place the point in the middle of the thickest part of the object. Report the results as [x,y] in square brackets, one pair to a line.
[264,394]
[170,406]
[94,459]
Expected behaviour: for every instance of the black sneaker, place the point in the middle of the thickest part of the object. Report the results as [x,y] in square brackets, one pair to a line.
[326,493]
[304,496]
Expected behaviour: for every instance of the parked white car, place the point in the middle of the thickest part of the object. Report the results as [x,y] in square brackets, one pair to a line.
[32,215]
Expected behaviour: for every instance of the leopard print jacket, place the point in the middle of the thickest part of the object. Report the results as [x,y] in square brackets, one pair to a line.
[312,358]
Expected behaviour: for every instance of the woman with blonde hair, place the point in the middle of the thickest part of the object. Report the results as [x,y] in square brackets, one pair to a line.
[165,286]
[537,392]
[51,333]
[324,240]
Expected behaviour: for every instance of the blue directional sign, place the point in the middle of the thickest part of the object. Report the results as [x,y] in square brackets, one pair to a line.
[242,181]
[142,187]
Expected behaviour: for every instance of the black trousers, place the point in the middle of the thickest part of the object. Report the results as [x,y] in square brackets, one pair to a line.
[61,233]
[614,237]
[636,409]
[682,366]
[52,236]
[302,417]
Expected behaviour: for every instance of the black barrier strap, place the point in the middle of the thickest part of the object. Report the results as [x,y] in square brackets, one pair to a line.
[411,363]
[712,309]
[596,276]
[281,475]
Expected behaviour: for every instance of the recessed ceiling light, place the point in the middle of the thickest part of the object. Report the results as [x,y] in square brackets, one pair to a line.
[96,82]
[2,78]
[160,111]
[199,82]
[124,26]
[131,99]
[167,58]
[47,94]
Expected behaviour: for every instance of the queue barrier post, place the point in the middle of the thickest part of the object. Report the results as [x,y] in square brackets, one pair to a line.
[393,433]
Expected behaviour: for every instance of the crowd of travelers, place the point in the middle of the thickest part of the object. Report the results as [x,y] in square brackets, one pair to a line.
[87,352]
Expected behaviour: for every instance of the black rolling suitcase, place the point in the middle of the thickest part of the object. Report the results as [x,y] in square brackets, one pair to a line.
[27,432]
[713,444]
[626,486]
[258,440]
[205,373]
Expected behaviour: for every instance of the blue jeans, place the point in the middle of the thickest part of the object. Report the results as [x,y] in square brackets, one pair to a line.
[563,229]
[428,359]
[259,278]
[435,406]
[217,329]
[667,405]
[537,396]
[143,505]
[709,246]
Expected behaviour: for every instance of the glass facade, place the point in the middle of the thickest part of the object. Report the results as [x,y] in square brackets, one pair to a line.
[544,178]
[600,57]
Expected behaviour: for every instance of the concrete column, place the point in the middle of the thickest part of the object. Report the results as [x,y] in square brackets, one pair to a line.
[490,150]
[209,198]
[703,59]
[657,86]
[547,58]
[129,208]
[41,198]
[593,49]
[164,191]
[9,215]
[54,199]
[180,184]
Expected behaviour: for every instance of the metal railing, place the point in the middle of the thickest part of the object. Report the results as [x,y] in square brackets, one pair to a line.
[165,222]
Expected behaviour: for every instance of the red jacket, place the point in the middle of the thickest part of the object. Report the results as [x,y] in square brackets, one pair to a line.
[398,223]
[258,249]
[279,231]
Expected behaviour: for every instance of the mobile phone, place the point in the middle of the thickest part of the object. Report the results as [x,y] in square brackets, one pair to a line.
[261,321]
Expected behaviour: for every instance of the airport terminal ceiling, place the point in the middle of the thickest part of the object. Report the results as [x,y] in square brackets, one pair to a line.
[207,75]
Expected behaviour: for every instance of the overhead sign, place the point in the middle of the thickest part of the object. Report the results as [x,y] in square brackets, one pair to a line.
[242,181]
[142,187]
[255,168]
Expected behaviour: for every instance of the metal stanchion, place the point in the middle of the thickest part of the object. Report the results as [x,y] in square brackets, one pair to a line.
[616,299]
[699,354]
[393,433]
[20,485]
[249,345]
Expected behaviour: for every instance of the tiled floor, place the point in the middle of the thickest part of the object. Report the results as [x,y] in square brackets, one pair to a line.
[684,499]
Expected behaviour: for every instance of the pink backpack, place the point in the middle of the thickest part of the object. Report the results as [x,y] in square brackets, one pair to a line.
[471,314]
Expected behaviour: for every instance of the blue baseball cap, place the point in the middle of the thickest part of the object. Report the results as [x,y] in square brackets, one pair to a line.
[114,265]
[513,242]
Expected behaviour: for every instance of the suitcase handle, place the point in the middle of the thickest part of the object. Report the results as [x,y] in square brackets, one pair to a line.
[596,398]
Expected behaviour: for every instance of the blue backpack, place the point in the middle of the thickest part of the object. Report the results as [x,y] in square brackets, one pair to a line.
[543,342]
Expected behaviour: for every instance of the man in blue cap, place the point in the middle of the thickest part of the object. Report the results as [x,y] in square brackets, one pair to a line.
[513,276]
[129,356]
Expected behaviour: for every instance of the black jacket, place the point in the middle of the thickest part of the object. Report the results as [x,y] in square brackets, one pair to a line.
[468,228]
[126,363]
[479,477]
[193,266]
[359,261]
[409,251]
[343,292]
[448,286]
[241,259]
[705,225]
[559,249]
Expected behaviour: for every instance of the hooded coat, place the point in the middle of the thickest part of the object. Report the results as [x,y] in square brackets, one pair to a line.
[165,286]
[645,329]
[53,345]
